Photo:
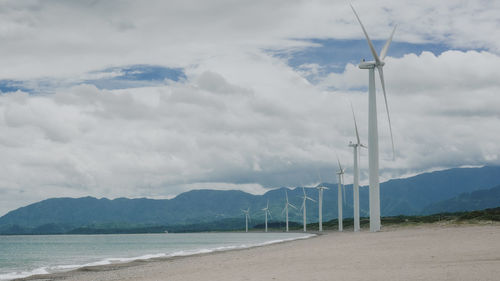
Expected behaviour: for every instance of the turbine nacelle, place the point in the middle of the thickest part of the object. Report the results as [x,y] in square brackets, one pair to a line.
[351,144]
[370,64]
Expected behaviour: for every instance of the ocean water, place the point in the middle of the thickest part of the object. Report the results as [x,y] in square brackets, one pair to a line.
[26,255]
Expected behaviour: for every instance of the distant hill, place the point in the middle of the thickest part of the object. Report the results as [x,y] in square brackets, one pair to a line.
[191,207]
[477,200]
[409,196]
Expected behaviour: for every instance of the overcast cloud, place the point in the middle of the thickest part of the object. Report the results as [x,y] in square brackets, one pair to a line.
[238,117]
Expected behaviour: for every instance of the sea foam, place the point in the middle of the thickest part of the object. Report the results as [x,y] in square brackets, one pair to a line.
[168,254]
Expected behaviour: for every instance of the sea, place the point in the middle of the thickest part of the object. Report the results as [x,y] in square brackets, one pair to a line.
[26,255]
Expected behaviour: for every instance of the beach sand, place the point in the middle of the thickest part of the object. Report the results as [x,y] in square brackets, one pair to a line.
[425,252]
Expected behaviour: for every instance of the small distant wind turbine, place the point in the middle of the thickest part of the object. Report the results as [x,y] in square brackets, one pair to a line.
[305,198]
[320,188]
[247,218]
[356,148]
[373,149]
[340,173]
[266,212]
[286,209]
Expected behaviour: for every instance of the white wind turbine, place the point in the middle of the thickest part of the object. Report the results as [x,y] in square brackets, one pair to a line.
[305,198]
[286,209]
[266,212]
[340,173]
[356,148]
[320,205]
[373,150]
[247,218]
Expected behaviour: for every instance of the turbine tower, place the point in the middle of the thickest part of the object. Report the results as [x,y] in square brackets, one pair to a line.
[373,151]
[266,211]
[320,207]
[355,186]
[286,209]
[305,198]
[247,218]
[340,173]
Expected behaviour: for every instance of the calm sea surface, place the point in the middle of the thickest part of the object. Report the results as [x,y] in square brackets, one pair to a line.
[22,256]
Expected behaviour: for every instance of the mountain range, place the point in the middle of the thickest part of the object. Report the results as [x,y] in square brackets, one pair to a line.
[477,200]
[441,191]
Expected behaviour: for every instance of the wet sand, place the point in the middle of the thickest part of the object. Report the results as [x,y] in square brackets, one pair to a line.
[426,252]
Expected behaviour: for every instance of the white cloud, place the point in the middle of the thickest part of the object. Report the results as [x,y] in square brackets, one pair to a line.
[242,118]
[160,141]
[156,141]
[250,188]
[68,38]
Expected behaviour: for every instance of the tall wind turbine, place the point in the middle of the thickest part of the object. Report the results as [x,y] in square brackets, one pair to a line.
[373,160]
[356,148]
[340,173]
[247,217]
[305,198]
[320,207]
[266,212]
[286,209]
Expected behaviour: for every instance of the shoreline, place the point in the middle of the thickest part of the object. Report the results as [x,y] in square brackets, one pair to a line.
[416,252]
[134,261]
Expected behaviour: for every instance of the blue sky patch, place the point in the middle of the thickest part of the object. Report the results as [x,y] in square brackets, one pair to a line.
[137,76]
[12,86]
[113,78]
[332,55]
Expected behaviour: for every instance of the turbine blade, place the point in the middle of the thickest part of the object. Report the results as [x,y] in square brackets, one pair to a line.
[355,125]
[381,73]
[343,191]
[386,46]
[359,159]
[340,166]
[319,176]
[292,206]
[311,199]
[374,53]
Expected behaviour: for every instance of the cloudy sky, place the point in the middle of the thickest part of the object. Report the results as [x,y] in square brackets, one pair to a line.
[154,98]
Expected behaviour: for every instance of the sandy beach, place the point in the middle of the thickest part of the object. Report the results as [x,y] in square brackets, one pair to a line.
[426,252]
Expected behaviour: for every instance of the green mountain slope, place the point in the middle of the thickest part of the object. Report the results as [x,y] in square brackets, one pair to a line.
[477,200]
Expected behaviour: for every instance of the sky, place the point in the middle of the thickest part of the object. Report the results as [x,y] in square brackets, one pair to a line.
[155,98]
